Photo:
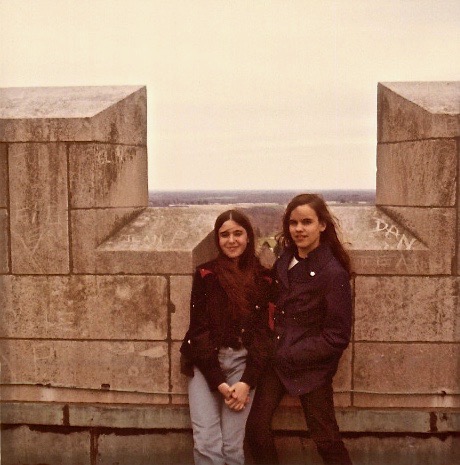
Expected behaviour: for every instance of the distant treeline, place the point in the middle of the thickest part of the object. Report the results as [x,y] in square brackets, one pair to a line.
[280,197]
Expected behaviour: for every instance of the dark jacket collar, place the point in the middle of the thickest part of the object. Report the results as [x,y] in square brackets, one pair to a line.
[316,260]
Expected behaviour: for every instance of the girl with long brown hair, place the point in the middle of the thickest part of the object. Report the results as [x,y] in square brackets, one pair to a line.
[312,325]
[228,342]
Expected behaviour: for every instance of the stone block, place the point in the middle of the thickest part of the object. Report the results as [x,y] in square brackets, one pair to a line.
[3,176]
[378,244]
[36,446]
[406,375]
[106,175]
[408,111]
[420,173]
[404,450]
[181,287]
[384,421]
[161,240]
[125,366]
[404,308]
[85,307]
[4,250]
[47,394]
[20,413]
[89,229]
[435,228]
[133,417]
[116,114]
[39,208]
[145,448]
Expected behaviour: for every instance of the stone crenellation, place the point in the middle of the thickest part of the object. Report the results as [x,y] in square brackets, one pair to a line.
[95,284]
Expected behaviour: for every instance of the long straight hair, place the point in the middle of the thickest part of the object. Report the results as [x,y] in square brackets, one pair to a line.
[238,279]
[328,236]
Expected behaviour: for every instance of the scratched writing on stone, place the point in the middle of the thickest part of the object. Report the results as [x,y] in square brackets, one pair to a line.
[393,234]
[44,355]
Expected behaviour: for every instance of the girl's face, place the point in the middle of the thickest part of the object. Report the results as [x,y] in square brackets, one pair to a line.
[233,239]
[305,229]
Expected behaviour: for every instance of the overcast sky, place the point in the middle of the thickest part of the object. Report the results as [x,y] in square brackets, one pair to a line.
[263,94]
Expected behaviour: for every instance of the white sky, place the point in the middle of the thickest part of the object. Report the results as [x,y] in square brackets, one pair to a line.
[262,94]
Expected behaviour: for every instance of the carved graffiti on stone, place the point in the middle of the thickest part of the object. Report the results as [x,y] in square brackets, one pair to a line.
[394,238]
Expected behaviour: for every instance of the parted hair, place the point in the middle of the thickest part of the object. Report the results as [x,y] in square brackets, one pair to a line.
[329,236]
[248,257]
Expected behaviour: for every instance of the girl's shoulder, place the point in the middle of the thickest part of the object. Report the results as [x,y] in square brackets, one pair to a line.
[335,269]
[205,269]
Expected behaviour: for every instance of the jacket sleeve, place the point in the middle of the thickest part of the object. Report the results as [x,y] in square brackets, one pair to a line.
[261,349]
[336,330]
[198,344]
[258,356]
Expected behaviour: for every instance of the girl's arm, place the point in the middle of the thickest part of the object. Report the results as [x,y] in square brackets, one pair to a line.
[198,343]
[336,331]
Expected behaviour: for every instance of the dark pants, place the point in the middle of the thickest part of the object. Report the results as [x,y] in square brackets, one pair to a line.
[318,408]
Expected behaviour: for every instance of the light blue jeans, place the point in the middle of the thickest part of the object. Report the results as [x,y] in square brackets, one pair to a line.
[218,432]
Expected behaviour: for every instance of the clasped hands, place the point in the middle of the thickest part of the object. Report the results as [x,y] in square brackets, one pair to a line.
[236,396]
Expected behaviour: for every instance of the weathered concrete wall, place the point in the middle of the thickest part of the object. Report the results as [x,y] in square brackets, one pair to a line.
[94,286]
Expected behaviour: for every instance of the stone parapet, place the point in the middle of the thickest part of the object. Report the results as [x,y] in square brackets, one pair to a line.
[68,149]
[377,243]
[95,286]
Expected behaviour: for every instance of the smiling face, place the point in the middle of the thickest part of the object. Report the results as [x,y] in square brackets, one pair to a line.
[233,239]
[305,229]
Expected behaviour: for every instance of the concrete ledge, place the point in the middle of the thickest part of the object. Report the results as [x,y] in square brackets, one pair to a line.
[176,417]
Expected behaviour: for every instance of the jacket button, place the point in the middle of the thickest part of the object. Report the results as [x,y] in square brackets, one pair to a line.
[189,341]
[312,273]
[242,330]
[257,307]
[277,337]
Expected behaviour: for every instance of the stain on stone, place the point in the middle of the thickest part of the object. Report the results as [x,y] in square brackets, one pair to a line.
[433,422]
[66,415]
[93,448]
[113,132]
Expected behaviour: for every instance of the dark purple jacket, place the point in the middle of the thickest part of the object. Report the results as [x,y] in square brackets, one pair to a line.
[312,321]
[212,327]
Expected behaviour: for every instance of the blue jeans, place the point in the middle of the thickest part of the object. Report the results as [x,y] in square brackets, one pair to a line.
[218,432]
